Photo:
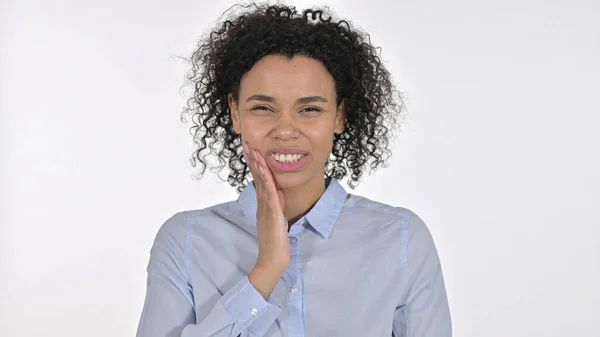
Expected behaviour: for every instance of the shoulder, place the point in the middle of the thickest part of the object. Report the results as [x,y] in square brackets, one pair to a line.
[399,226]
[413,233]
[383,213]
[179,225]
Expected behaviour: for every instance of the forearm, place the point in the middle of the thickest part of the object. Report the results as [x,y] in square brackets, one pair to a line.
[264,280]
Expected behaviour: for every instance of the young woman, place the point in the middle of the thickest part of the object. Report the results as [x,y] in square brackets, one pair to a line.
[298,101]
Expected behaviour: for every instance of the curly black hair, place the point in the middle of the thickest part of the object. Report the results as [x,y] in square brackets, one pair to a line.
[372,104]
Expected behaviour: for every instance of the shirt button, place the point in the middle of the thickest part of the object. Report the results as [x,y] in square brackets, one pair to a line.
[294,290]
[293,241]
[253,312]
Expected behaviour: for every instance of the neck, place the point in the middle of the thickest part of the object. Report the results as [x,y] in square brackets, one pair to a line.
[300,200]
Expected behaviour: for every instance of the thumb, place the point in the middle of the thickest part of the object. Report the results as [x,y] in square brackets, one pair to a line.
[281,200]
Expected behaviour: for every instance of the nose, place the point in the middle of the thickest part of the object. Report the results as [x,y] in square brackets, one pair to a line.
[285,128]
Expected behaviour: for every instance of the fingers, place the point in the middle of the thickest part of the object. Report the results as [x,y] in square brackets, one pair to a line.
[281,199]
[250,159]
[267,177]
[261,173]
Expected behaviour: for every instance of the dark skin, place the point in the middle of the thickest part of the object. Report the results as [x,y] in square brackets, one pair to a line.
[290,104]
[285,104]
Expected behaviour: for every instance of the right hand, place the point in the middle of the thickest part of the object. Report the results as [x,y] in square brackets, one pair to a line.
[272,231]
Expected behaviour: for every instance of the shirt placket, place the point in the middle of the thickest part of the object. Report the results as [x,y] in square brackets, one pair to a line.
[295,292]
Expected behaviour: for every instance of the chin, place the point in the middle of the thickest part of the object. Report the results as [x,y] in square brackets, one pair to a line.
[290,180]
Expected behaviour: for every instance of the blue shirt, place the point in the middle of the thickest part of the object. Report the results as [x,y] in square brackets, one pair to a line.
[357,268]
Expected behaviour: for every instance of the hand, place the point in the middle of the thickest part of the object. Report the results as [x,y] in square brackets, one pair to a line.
[272,231]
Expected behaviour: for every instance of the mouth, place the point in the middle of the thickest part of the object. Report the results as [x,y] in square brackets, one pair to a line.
[286,160]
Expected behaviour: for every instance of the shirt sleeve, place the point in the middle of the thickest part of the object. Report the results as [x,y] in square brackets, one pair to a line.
[168,309]
[424,310]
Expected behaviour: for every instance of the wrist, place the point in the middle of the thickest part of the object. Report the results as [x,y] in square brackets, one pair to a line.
[264,280]
[270,270]
[271,266]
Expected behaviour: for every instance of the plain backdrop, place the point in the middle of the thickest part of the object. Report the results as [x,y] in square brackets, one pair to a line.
[499,154]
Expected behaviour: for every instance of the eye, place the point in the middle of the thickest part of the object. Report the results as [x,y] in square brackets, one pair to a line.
[261,109]
[311,111]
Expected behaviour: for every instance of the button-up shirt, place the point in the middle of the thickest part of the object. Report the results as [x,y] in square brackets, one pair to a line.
[358,268]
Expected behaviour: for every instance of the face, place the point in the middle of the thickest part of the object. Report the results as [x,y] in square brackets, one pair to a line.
[287,111]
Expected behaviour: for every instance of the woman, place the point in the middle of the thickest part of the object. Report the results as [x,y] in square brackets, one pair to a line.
[296,100]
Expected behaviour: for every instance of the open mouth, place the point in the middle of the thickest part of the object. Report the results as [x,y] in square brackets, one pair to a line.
[287,162]
[287,158]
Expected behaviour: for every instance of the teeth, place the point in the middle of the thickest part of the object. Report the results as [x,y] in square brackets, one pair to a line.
[287,158]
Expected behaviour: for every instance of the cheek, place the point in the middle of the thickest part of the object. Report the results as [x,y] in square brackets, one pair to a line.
[322,142]
[253,131]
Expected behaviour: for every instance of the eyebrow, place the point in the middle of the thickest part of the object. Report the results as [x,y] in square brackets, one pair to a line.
[302,100]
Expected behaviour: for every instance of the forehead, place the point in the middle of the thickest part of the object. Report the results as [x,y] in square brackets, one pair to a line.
[279,76]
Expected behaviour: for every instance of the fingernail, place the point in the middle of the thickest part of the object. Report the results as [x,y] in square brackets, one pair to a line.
[261,170]
[255,153]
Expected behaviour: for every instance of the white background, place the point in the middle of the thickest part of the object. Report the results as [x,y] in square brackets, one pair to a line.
[499,155]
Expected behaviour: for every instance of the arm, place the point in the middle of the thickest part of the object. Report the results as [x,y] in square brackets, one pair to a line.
[169,304]
[424,310]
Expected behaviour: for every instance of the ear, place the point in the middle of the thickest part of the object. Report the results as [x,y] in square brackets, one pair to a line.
[340,117]
[235,116]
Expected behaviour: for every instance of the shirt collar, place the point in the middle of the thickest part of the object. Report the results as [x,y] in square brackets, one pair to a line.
[322,217]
